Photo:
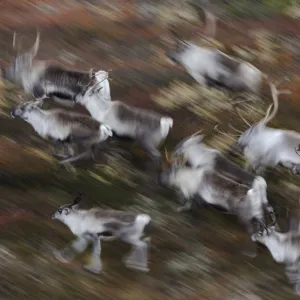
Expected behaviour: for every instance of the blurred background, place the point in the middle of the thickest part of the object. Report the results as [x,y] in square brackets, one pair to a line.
[193,255]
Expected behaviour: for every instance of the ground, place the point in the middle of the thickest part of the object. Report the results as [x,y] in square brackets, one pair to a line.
[192,256]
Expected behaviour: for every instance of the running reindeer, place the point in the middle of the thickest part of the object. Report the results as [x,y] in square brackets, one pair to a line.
[45,79]
[205,185]
[195,153]
[97,224]
[265,146]
[209,66]
[147,128]
[63,127]
[284,248]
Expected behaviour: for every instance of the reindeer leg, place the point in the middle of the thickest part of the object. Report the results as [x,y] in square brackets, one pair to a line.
[292,272]
[68,151]
[154,154]
[68,253]
[296,169]
[95,265]
[73,159]
[186,207]
[197,76]
[138,257]
[249,248]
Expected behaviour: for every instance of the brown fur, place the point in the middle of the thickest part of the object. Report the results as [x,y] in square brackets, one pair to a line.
[128,114]
[225,185]
[229,62]
[84,120]
[233,171]
[121,216]
[59,76]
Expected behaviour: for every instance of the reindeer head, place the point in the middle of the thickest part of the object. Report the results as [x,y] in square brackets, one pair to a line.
[67,209]
[182,46]
[98,86]
[24,109]
[261,236]
[21,62]
[188,143]
[169,168]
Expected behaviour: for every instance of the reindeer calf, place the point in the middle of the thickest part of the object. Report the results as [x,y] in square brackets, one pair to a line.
[97,224]
[63,127]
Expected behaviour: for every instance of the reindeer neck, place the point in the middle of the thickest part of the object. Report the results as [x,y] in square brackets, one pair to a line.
[200,155]
[97,107]
[276,245]
[73,221]
[36,116]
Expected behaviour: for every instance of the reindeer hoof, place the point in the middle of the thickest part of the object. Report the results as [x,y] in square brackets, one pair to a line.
[58,255]
[60,156]
[297,289]
[250,253]
[135,266]
[96,269]
[253,238]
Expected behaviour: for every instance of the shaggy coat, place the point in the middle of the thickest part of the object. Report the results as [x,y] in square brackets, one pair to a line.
[97,224]
[62,126]
[44,79]
[146,127]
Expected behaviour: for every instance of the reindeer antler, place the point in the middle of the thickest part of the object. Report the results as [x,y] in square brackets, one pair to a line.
[210,28]
[275,93]
[224,133]
[167,156]
[184,140]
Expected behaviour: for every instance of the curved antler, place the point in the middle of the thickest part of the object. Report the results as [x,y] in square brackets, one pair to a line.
[167,156]
[232,127]
[177,147]
[224,133]
[275,93]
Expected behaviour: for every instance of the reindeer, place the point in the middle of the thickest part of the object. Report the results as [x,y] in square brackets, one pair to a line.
[149,129]
[204,185]
[66,128]
[211,67]
[98,224]
[265,146]
[195,153]
[44,79]
[284,248]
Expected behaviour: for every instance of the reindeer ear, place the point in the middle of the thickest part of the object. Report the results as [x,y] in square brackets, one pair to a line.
[75,207]
[77,199]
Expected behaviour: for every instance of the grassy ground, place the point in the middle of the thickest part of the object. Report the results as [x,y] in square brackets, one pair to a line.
[193,256]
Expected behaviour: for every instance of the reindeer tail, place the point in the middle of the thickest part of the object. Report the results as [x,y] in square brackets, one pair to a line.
[142,220]
[165,124]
